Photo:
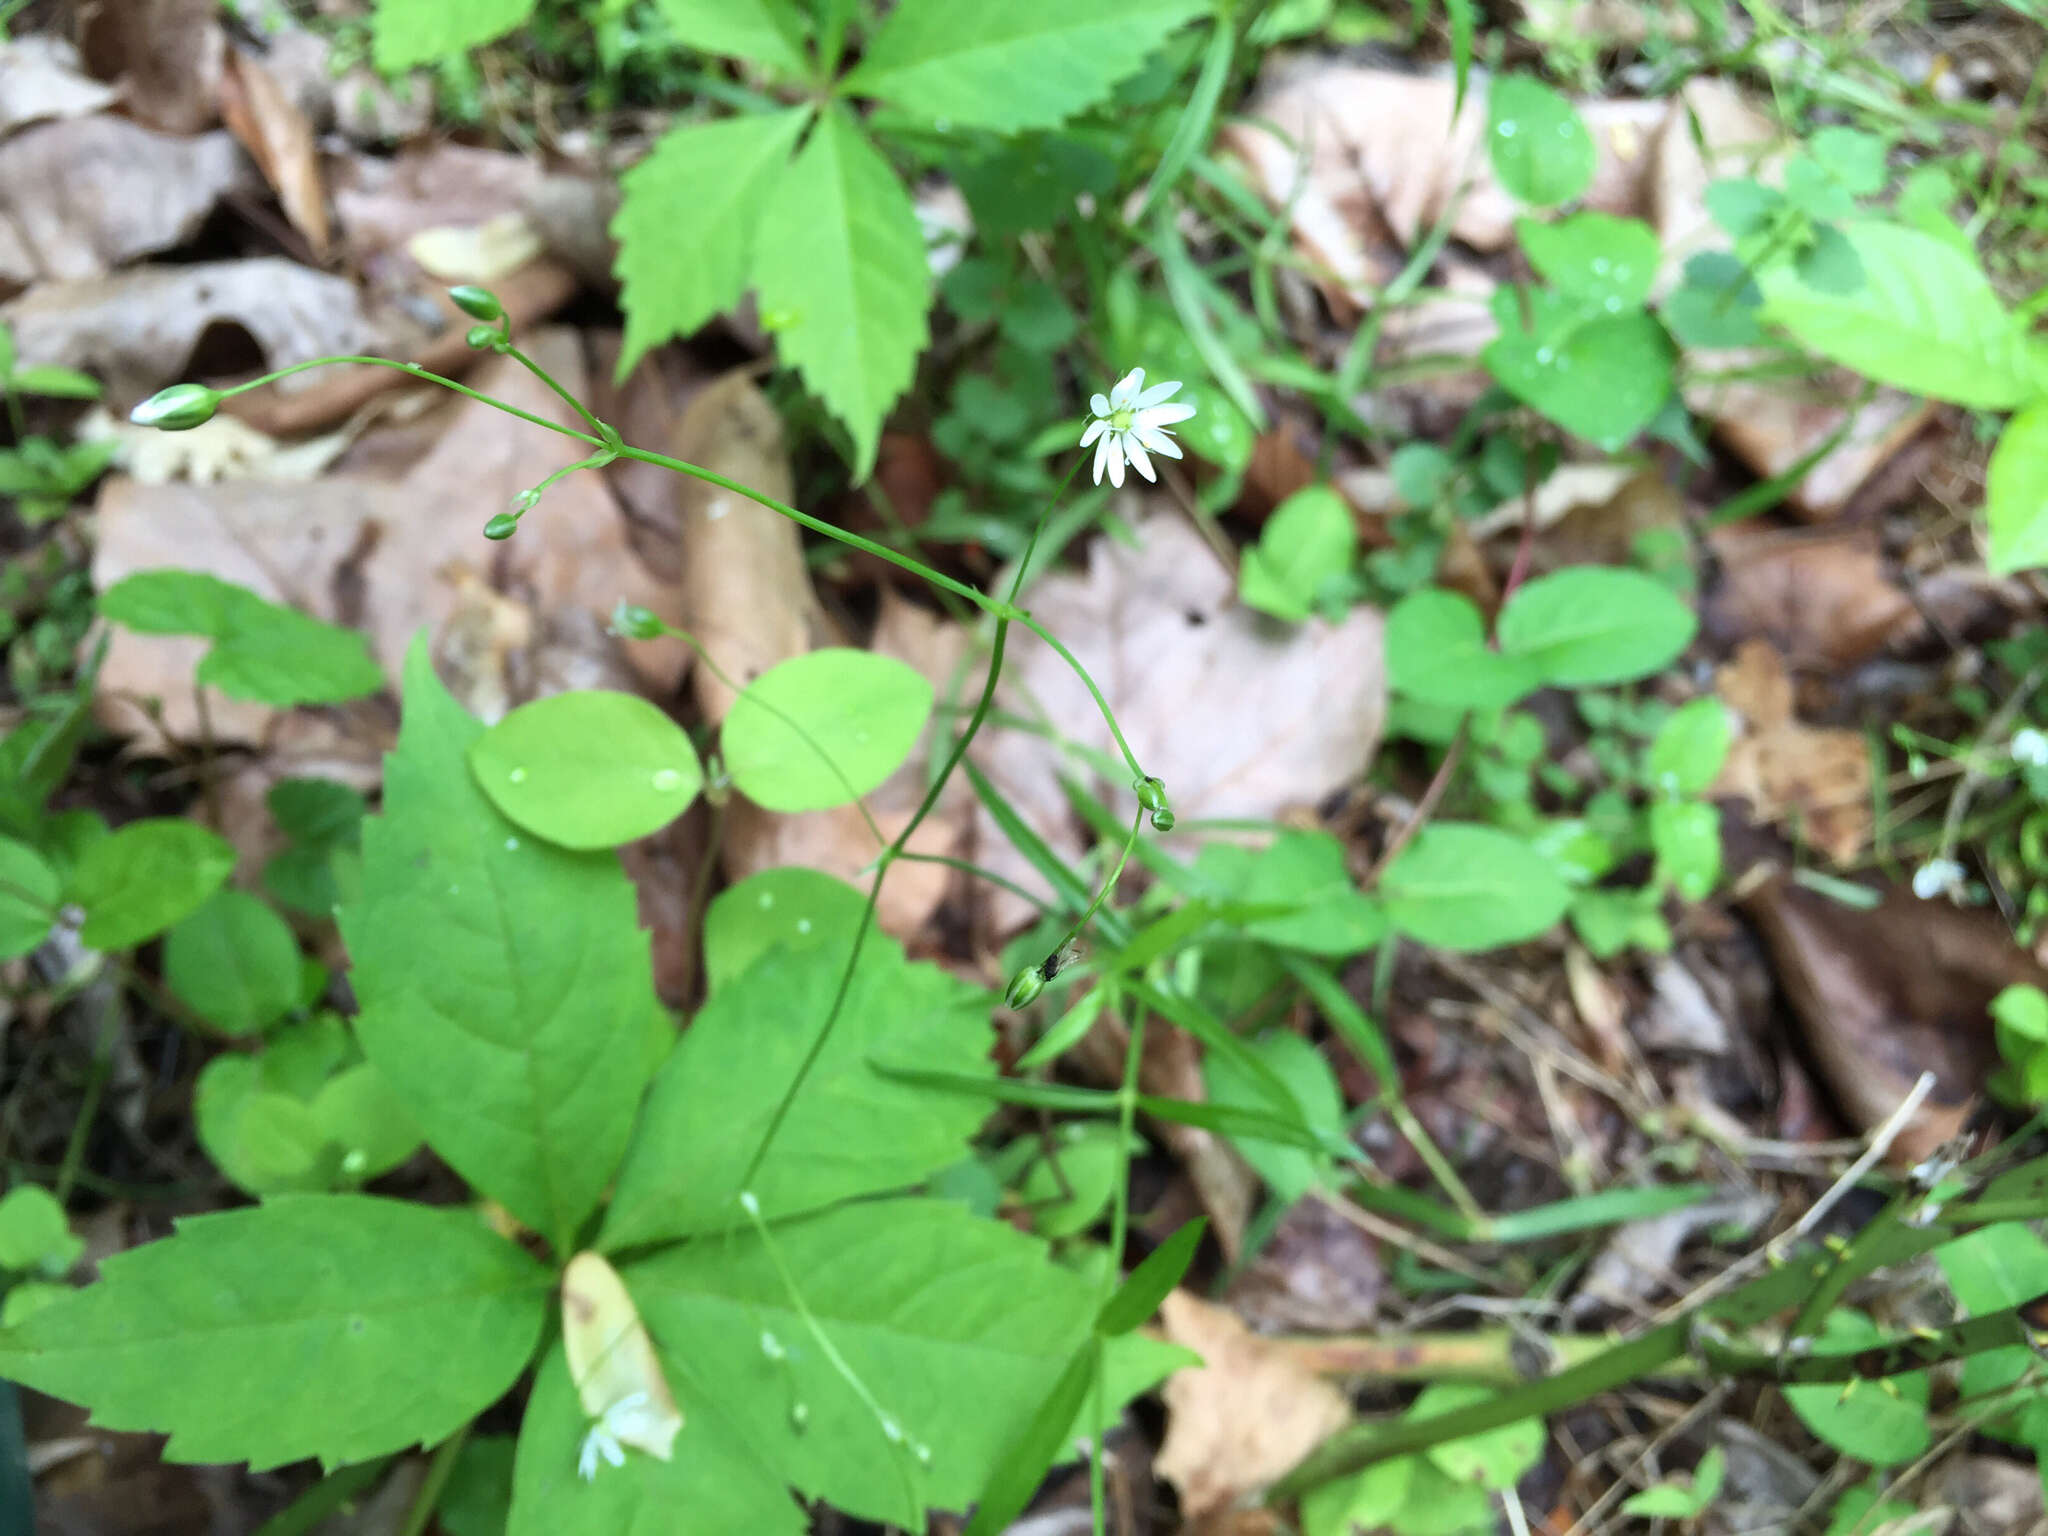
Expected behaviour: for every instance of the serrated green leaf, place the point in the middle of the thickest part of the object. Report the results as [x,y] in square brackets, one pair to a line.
[839,260]
[2016,492]
[590,769]
[687,219]
[791,908]
[769,32]
[261,651]
[1541,150]
[410,1320]
[1924,318]
[1309,541]
[505,985]
[138,881]
[957,1325]
[29,889]
[1011,66]
[234,962]
[410,32]
[1437,652]
[1464,887]
[34,1234]
[1588,626]
[713,1483]
[823,729]
[852,1131]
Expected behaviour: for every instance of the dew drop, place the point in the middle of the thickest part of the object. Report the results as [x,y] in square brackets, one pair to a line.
[1506,130]
[517,775]
[666,779]
[1564,130]
[1600,266]
[767,900]
[1544,355]
[511,845]
[1621,274]
[1613,305]
[803,925]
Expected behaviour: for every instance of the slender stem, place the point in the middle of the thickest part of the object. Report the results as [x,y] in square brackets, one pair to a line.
[604,432]
[435,1483]
[1119,1231]
[422,374]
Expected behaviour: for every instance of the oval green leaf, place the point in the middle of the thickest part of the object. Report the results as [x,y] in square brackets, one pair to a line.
[1437,652]
[592,769]
[28,898]
[1461,886]
[138,881]
[788,908]
[2016,492]
[823,729]
[234,962]
[1541,151]
[1589,625]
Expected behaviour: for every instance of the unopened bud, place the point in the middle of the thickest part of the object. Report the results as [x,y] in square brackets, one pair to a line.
[1151,794]
[637,623]
[1025,987]
[503,526]
[177,409]
[1163,819]
[477,303]
[483,336]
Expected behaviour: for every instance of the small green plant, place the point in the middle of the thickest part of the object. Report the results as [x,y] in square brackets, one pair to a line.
[41,475]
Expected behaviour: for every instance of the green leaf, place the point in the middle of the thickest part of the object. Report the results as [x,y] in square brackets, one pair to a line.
[1066,1191]
[317,812]
[1924,318]
[138,881]
[29,889]
[1541,151]
[1881,1424]
[265,1141]
[1437,652]
[1690,747]
[687,218]
[840,264]
[411,1320]
[1368,1500]
[409,32]
[1289,1171]
[366,1124]
[51,382]
[478,1498]
[1587,626]
[261,651]
[1036,1445]
[1595,257]
[1305,868]
[1011,66]
[1494,1460]
[1686,837]
[769,32]
[1716,305]
[234,962]
[852,1131]
[34,1234]
[590,769]
[1990,1270]
[1145,1287]
[823,729]
[1600,374]
[789,908]
[713,1483]
[956,1324]
[2016,492]
[1461,886]
[1308,542]
[505,986]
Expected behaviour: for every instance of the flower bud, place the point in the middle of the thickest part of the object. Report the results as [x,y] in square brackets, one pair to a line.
[1151,794]
[177,409]
[477,303]
[503,526]
[482,337]
[636,623]
[1163,819]
[1025,987]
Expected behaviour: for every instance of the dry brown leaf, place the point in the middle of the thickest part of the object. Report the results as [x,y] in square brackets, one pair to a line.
[224,448]
[1772,424]
[391,556]
[1318,1274]
[1239,716]
[83,196]
[1822,598]
[280,140]
[1172,1069]
[137,329]
[383,203]
[1886,994]
[1818,779]
[40,79]
[166,55]
[488,252]
[573,215]
[1243,1417]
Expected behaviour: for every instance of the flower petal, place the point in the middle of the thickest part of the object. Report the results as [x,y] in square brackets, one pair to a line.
[1095,429]
[1126,389]
[1164,415]
[1136,454]
[1116,460]
[1157,393]
[1102,456]
[1099,404]
[1156,440]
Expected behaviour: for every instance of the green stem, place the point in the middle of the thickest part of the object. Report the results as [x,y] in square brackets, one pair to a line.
[604,433]
[435,1483]
[422,374]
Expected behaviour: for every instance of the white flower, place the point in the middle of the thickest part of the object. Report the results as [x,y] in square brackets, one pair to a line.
[2030,748]
[626,1419]
[1937,877]
[1130,421]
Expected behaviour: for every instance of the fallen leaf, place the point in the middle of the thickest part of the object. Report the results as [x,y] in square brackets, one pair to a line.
[225,448]
[1885,994]
[1822,598]
[476,253]
[573,214]
[1817,778]
[137,330]
[1318,1273]
[1773,424]
[1713,131]
[1237,715]
[1636,1263]
[1171,1068]
[166,55]
[280,140]
[358,103]
[40,79]
[618,1379]
[82,196]
[1243,1417]
[381,204]
[389,556]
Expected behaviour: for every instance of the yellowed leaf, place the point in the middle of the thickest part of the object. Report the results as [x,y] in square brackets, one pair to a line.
[612,1360]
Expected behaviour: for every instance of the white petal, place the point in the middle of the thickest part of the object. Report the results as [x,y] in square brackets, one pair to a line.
[586,1461]
[1099,404]
[1095,429]
[1156,440]
[1157,393]
[1102,456]
[1164,415]
[1127,388]
[1137,457]
[1116,460]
